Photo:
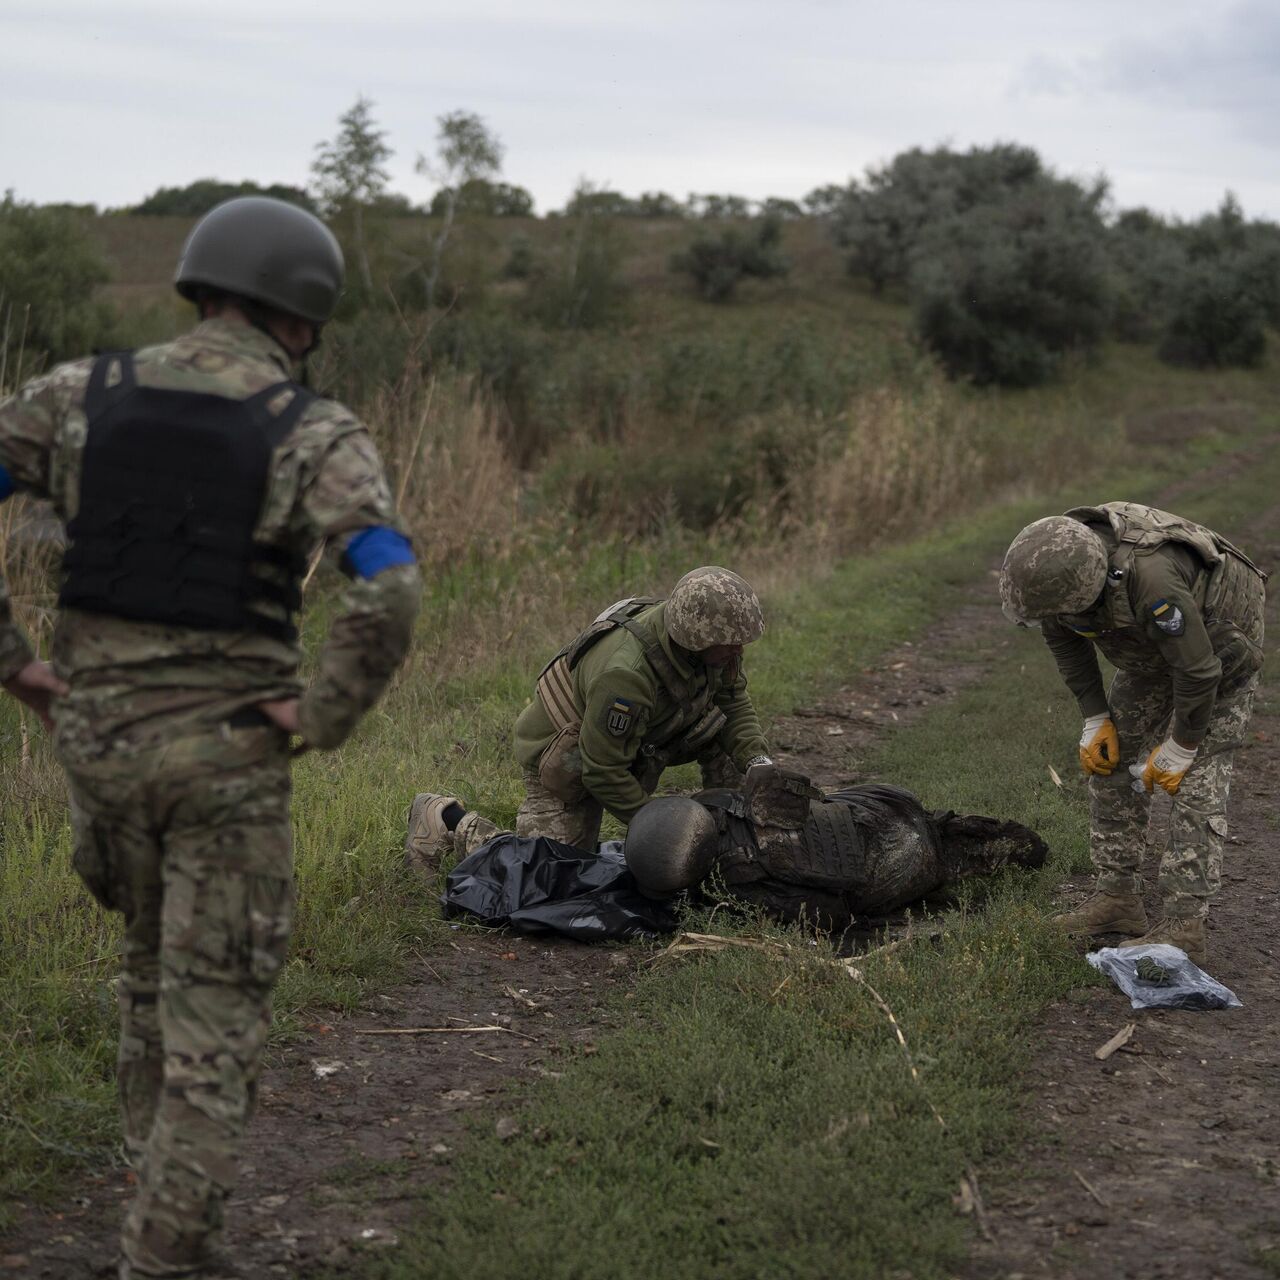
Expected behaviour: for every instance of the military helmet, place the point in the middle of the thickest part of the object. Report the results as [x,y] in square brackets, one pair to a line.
[266,250]
[1056,565]
[671,844]
[712,606]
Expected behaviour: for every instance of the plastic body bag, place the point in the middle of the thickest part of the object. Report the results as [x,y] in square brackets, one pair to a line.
[1177,983]
[536,885]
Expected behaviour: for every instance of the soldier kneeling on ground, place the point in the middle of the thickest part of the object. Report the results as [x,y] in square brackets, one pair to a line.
[649,684]
[781,845]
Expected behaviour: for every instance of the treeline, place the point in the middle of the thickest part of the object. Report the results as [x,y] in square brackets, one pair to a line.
[1011,270]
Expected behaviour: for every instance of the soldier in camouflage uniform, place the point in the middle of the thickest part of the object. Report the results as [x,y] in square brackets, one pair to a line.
[650,683]
[195,479]
[1179,611]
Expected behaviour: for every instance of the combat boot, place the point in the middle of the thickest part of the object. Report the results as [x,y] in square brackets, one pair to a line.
[1106,913]
[429,836]
[1184,932]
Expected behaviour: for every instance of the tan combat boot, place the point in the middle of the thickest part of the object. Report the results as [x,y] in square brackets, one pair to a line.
[1188,934]
[429,838]
[1106,913]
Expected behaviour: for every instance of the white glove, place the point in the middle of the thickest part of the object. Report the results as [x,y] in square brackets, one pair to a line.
[1165,767]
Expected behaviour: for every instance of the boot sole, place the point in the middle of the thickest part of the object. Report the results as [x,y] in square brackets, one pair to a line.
[1133,927]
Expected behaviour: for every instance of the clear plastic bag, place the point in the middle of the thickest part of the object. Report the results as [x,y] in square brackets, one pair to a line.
[1159,976]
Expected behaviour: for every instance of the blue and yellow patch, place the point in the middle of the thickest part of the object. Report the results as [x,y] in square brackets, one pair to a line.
[619,716]
[1169,618]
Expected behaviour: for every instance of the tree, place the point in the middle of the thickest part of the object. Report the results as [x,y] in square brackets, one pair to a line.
[49,268]
[1003,291]
[349,174]
[484,198]
[198,197]
[717,264]
[468,152]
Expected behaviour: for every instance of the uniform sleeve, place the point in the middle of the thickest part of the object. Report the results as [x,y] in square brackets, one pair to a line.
[618,705]
[29,426]
[742,738]
[347,501]
[1165,606]
[1078,665]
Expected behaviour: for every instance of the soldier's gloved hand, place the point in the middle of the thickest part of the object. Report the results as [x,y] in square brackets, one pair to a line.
[1165,767]
[1099,746]
[759,768]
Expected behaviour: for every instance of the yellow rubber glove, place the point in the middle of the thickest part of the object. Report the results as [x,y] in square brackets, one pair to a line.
[1099,746]
[1166,767]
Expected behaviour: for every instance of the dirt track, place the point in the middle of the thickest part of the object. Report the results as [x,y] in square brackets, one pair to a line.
[1176,1135]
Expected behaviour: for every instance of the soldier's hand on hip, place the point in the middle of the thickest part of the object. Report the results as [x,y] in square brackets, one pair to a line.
[1166,767]
[36,685]
[1099,746]
[283,714]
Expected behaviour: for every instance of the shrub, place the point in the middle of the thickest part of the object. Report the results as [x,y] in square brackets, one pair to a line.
[199,197]
[581,285]
[49,268]
[717,264]
[1001,293]
[1215,322]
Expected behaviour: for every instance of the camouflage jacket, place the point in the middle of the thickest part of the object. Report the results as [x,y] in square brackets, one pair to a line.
[1153,621]
[137,684]
[625,707]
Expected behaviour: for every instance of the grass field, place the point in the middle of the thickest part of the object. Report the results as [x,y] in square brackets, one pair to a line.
[885,512]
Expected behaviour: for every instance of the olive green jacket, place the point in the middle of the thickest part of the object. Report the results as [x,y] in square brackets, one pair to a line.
[1166,636]
[624,707]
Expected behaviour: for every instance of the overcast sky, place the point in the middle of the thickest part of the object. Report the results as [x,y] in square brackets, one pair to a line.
[1175,100]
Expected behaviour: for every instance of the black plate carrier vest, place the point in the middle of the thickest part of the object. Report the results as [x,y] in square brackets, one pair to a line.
[171,491]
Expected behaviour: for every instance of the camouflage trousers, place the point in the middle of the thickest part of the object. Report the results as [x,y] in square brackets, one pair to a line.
[1191,865]
[191,843]
[577,823]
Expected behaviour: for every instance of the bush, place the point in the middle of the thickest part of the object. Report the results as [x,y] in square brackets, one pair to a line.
[1002,293]
[581,285]
[199,197]
[49,268]
[717,264]
[1216,322]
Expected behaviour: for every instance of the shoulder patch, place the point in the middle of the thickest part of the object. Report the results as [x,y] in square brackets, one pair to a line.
[1169,618]
[619,717]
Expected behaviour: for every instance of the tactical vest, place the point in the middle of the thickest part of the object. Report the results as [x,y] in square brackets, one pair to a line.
[693,724]
[855,852]
[1230,593]
[171,491]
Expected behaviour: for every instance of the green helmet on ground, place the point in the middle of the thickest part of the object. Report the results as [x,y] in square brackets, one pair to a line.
[1056,565]
[268,251]
[671,845]
[713,606]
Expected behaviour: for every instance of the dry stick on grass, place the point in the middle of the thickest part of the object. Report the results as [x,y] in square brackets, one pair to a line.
[1121,1037]
[692,943]
[1089,1187]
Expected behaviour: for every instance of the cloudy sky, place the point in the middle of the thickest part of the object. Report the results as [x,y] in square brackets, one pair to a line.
[1175,100]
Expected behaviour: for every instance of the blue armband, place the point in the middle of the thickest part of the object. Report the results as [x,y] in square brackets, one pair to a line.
[372,550]
[6,483]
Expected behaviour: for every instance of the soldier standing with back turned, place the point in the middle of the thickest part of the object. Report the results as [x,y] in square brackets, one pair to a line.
[194,479]
[1179,611]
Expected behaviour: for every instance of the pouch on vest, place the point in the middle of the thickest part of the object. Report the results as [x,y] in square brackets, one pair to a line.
[560,766]
[171,490]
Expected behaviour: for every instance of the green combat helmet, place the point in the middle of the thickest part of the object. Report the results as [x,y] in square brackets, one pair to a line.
[1056,565]
[266,250]
[713,606]
[671,845]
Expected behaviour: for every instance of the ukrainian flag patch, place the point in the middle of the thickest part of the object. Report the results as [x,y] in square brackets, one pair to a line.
[619,716]
[1169,618]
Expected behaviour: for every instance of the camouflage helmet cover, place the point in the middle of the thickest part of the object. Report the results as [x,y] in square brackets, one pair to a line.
[1056,565]
[267,250]
[671,845]
[713,606]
